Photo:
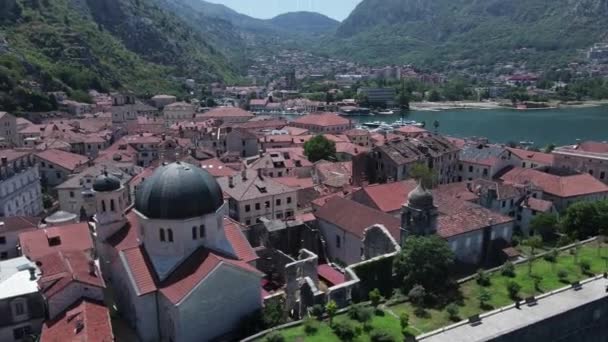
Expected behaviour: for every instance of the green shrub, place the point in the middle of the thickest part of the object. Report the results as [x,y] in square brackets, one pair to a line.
[562,275]
[317,310]
[375,297]
[508,270]
[360,313]
[482,278]
[311,326]
[404,320]
[453,311]
[513,288]
[417,295]
[564,240]
[551,256]
[381,336]
[274,336]
[345,330]
[585,266]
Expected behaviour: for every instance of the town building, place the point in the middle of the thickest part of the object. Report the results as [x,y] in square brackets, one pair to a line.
[359,137]
[383,97]
[169,256]
[10,228]
[22,305]
[242,142]
[57,165]
[531,159]
[320,123]
[39,243]
[8,129]
[76,195]
[392,161]
[588,157]
[161,101]
[227,115]
[559,186]
[481,161]
[20,190]
[251,196]
[178,112]
[282,162]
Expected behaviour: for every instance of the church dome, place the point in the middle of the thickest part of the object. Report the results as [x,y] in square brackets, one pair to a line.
[106,183]
[178,191]
[420,198]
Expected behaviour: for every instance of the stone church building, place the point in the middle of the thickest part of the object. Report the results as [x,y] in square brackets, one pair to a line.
[181,270]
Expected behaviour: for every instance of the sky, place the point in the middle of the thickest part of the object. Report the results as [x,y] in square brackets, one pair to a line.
[265,9]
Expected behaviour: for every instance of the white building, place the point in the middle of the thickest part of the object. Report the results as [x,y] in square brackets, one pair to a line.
[178,112]
[20,190]
[180,270]
[21,304]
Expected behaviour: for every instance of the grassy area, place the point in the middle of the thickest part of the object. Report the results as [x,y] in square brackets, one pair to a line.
[469,304]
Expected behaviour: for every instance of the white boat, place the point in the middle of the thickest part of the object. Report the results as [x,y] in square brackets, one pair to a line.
[385,112]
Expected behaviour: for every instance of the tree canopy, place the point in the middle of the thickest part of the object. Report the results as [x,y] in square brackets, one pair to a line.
[319,148]
[425,261]
[544,224]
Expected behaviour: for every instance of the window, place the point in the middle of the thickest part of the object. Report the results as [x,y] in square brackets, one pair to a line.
[504,203]
[591,172]
[470,168]
[19,309]
[58,175]
[267,204]
[2,240]
[21,332]
[602,175]
[468,242]
[71,194]
[3,256]
[194,233]
[338,242]
[170,235]
[279,216]
[162,235]
[201,232]
[247,208]
[278,201]
[257,206]
[103,206]
[248,222]
[112,208]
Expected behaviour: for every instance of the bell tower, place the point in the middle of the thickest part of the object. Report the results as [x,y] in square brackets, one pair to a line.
[110,202]
[418,214]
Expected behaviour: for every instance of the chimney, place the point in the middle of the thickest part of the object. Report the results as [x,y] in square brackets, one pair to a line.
[231,182]
[32,274]
[260,174]
[163,137]
[244,174]
[92,268]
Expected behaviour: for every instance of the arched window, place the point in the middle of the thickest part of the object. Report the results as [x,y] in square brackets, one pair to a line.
[202,231]
[169,235]
[194,233]
[162,234]
[103,206]
[112,208]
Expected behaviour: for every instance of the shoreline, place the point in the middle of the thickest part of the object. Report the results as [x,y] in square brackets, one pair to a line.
[451,105]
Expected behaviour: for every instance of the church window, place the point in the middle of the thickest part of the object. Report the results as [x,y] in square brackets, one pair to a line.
[162,234]
[194,233]
[112,206]
[338,241]
[202,231]
[103,206]
[170,235]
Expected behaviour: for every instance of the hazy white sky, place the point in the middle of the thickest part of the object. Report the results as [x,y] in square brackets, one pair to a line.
[264,9]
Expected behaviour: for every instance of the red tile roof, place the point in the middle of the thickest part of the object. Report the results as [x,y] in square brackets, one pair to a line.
[195,269]
[217,168]
[12,155]
[67,160]
[330,275]
[36,244]
[350,148]
[18,223]
[410,130]
[539,205]
[85,320]
[296,182]
[322,119]
[191,271]
[355,218]
[468,219]
[537,157]
[593,147]
[62,268]
[385,197]
[560,186]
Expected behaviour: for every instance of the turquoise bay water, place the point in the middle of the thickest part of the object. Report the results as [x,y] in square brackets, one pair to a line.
[543,127]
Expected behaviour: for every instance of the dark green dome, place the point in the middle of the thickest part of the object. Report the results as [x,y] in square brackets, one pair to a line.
[106,182]
[178,191]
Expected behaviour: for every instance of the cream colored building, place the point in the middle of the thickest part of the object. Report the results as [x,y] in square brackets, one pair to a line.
[178,112]
[8,128]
